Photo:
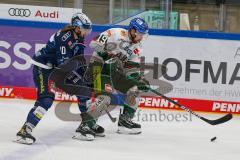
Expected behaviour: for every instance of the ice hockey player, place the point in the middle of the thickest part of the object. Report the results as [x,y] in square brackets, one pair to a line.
[125,45]
[62,46]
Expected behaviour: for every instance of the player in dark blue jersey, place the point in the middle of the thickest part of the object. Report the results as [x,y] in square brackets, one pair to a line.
[62,46]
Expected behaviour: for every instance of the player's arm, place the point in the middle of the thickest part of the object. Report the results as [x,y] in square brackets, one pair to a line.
[45,53]
[100,46]
[99,43]
[78,49]
[135,73]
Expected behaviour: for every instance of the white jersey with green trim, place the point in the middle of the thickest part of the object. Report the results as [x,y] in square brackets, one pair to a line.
[115,40]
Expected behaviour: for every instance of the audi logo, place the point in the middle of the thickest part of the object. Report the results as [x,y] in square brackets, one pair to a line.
[19,12]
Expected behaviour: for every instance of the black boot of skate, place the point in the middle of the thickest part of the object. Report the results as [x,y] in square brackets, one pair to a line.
[127,126]
[84,133]
[98,130]
[24,135]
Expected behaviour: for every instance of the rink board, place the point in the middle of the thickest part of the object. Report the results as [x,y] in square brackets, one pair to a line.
[144,102]
[202,67]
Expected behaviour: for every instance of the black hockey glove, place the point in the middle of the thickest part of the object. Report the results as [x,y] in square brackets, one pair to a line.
[122,57]
[143,85]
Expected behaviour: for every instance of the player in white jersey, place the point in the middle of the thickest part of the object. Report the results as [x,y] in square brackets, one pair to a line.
[116,42]
[125,46]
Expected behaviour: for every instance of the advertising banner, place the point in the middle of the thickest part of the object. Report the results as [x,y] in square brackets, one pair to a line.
[17,46]
[204,70]
[37,13]
[198,68]
[203,73]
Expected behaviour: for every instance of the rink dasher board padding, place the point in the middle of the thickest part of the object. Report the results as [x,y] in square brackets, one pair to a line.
[152,102]
[203,62]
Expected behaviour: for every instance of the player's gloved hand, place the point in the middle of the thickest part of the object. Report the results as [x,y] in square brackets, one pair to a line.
[117,67]
[143,85]
[130,64]
[73,79]
[122,57]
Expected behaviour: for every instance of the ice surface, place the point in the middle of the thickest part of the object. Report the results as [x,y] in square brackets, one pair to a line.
[185,139]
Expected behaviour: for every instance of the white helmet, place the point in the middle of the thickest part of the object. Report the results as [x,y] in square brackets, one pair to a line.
[81,20]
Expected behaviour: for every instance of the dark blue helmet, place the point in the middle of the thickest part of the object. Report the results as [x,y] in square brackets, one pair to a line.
[81,20]
[139,25]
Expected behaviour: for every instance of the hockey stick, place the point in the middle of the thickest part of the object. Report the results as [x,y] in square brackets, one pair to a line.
[40,64]
[223,119]
[113,119]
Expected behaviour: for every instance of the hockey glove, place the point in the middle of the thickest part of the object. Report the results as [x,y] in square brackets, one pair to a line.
[143,85]
[122,57]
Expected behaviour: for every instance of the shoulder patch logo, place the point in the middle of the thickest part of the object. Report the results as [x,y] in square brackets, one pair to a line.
[136,51]
[66,36]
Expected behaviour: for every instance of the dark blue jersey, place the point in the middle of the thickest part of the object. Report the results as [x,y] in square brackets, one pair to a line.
[60,47]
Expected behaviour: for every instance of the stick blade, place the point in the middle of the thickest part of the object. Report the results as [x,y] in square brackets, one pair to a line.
[221,120]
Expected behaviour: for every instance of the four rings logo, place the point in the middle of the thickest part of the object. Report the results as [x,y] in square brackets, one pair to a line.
[19,12]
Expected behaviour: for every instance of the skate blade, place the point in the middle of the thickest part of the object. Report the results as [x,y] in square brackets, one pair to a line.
[124,130]
[21,140]
[87,137]
[100,135]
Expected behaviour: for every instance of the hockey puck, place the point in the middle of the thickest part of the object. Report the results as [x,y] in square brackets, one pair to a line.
[213,139]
